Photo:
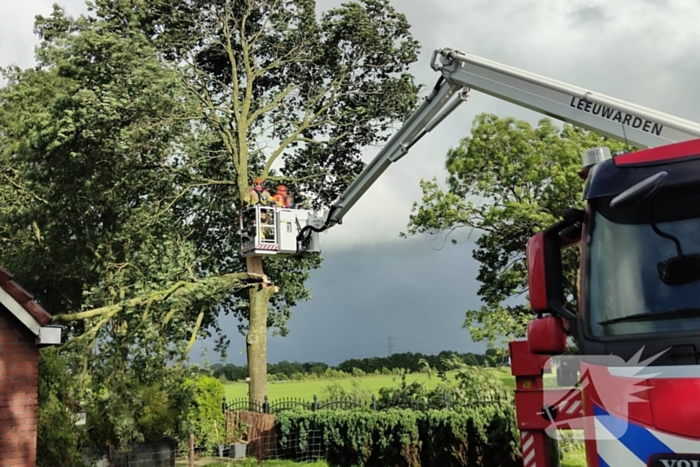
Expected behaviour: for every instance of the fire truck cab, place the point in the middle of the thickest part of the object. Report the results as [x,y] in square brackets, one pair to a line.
[638,322]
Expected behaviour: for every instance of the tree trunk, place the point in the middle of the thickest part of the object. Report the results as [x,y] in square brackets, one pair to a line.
[256,340]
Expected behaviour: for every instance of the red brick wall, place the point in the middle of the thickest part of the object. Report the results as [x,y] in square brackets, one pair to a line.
[19,385]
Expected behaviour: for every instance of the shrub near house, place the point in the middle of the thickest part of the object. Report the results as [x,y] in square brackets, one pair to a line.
[205,418]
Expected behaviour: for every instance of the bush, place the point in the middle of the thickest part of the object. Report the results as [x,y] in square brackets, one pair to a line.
[59,440]
[485,436]
[158,415]
[471,385]
[204,416]
[353,437]
[336,392]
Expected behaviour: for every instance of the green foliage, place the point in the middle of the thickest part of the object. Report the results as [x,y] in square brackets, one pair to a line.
[471,385]
[507,181]
[204,416]
[336,392]
[570,441]
[137,408]
[158,415]
[484,435]
[59,440]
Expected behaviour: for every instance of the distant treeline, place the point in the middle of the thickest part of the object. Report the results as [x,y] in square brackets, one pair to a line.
[407,361]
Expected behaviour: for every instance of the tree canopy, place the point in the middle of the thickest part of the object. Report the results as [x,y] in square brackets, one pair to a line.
[283,94]
[507,181]
[128,150]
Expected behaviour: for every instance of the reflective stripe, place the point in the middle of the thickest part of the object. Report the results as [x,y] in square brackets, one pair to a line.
[636,438]
[612,451]
[678,444]
[622,442]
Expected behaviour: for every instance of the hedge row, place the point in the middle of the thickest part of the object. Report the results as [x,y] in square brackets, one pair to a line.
[481,436]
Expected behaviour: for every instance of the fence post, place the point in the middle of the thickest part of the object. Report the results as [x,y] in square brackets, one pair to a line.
[266,406]
[374,403]
[315,402]
[191,450]
[224,405]
[111,455]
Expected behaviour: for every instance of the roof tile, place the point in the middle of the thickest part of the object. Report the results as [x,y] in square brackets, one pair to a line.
[24,298]
[38,312]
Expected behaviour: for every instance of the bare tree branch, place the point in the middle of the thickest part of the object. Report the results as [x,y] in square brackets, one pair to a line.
[272,104]
[25,190]
[306,122]
[193,338]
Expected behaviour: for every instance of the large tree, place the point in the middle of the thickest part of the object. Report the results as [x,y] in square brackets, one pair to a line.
[90,156]
[506,182]
[289,95]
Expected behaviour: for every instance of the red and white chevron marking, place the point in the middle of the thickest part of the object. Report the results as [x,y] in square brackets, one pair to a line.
[267,247]
[571,404]
[259,247]
[570,407]
[528,448]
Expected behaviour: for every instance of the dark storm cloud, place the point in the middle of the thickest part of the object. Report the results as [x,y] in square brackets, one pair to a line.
[406,290]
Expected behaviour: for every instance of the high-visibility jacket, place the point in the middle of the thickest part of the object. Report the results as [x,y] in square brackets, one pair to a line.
[283,201]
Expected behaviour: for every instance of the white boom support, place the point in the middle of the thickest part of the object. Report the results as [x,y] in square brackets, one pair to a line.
[614,118]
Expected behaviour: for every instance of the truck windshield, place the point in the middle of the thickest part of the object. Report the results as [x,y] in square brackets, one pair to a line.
[622,266]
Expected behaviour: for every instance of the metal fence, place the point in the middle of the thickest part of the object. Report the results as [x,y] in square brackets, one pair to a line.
[275,406]
[154,454]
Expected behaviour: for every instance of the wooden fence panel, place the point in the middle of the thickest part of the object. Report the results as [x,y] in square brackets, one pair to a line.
[261,436]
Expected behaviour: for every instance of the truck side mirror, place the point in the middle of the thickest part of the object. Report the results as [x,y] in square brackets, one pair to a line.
[544,268]
[546,336]
[536,273]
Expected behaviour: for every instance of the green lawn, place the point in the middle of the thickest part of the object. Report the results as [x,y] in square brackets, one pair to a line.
[306,389]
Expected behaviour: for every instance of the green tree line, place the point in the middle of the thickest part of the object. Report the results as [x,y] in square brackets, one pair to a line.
[407,361]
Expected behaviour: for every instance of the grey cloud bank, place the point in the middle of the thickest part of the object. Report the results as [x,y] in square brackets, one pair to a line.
[408,290]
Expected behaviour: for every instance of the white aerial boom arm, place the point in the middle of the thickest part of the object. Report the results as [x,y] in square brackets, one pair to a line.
[605,115]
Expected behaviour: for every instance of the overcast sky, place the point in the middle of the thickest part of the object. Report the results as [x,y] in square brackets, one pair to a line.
[374,285]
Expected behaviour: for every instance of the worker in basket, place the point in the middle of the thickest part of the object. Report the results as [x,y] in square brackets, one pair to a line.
[282,198]
[258,194]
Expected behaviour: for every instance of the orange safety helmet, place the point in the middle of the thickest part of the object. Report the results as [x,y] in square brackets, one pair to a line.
[257,184]
[281,189]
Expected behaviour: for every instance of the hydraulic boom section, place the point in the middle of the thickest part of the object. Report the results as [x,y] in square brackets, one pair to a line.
[460,72]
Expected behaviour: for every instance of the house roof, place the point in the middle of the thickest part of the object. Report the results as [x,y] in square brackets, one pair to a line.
[24,298]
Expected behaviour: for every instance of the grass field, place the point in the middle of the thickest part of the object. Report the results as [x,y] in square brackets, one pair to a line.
[307,388]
